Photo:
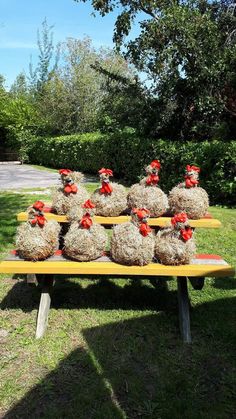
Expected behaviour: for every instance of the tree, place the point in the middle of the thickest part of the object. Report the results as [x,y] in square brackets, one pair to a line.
[188,50]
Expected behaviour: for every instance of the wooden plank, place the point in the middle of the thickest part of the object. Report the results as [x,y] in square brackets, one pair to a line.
[112,268]
[44,306]
[184,317]
[153,222]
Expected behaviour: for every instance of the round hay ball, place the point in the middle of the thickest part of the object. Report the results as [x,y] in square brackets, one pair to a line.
[129,247]
[62,202]
[85,244]
[193,201]
[150,197]
[110,205]
[35,242]
[170,250]
[75,213]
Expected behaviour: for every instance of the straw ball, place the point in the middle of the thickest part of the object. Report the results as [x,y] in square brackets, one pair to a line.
[193,201]
[62,202]
[85,244]
[110,205]
[129,247]
[171,250]
[150,197]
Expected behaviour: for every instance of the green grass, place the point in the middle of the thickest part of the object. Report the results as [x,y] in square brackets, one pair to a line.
[113,348]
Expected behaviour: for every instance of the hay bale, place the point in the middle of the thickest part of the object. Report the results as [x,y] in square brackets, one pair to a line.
[110,205]
[193,201]
[37,243]
[150,197]
[85,244]
[129,247]
[170,250]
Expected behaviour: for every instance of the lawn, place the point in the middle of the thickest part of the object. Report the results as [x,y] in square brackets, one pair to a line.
[113,348]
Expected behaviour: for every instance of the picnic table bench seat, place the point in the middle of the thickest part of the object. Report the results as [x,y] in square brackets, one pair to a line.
[201,266]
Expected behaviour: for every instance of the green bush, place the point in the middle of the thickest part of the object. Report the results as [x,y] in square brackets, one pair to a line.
[127,154]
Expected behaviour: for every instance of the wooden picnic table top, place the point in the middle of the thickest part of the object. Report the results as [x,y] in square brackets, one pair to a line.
[205,222]
[201,265]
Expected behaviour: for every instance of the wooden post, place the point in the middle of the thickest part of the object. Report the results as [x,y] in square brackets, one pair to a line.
[184,317]
[31,279]
[46,283]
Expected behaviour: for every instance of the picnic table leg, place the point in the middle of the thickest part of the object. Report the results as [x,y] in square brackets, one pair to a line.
[46,282]
[31,279]
[184,317]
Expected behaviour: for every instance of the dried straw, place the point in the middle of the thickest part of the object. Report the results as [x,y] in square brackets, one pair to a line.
[110,205]
[150,197]
[193,201]
[37,243]
[171,250]
[129,247]
[85,244]
[62,203]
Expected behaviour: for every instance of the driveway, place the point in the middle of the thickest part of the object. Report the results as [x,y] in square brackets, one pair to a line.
[14,176]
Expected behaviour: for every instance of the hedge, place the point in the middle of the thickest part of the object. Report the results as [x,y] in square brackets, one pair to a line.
[127,154]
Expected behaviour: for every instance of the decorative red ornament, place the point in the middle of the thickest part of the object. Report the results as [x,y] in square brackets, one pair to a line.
[190,182]
[86,221]
[65,172]
[106,188]
[38,205]
[156,164]
[141,213]
[88,204]
[186,233]
[144,229]
[152,179]
[38,219]
[104,171]
[192,168]
[70,188]
[179,218]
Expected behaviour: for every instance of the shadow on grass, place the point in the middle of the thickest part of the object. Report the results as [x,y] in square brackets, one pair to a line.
[225,283]
[139,368]
[101,293]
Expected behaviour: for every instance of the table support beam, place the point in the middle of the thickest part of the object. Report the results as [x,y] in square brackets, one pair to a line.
[184,317]
[46,283]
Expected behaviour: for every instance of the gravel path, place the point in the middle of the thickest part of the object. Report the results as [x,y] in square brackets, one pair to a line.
[14,176]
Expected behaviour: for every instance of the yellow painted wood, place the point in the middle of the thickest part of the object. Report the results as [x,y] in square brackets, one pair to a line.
[112,268]
[153,222]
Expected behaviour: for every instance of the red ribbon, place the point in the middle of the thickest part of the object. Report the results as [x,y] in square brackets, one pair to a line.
[179,218]
[106,188]
[144,229]
[104,171]
[156,164]
[192,168]
[141,213]
[152,179]
[86,221]
[38,219]
[88,204]
[190,182]
[70,188]
[64,172]
[186,233]
[38,205]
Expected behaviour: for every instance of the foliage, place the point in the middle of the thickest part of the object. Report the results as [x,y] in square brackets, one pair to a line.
[188,51]
[127,154]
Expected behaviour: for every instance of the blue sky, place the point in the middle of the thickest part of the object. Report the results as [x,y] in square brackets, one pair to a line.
[20,19]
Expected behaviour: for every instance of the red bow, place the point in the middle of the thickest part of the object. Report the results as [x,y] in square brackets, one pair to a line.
[156,164]
[179,218]
[88,204]
[192,168]
[144,229]
[38,205]
[70,188]
[108,172]
[106,188]
[86,221]
[152,179]
[186,233]
[190,182]
[38,219]
[141,213]
[64,172]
